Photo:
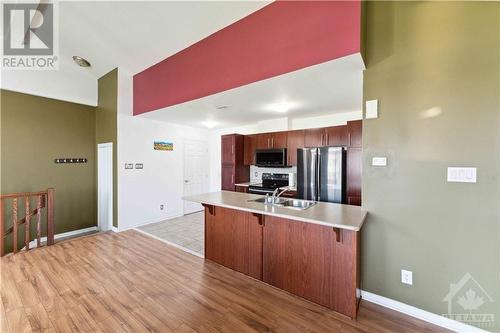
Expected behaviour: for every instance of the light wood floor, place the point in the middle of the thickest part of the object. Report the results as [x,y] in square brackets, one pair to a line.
[128,282]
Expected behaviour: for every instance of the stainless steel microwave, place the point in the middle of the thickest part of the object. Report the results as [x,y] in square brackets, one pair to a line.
[271,158]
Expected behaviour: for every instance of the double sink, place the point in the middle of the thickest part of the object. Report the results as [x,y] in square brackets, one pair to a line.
[286,203]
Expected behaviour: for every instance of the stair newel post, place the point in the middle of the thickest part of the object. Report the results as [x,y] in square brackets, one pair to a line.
[38,221]
[2,229]
[50,216]
[14,225]
[27,218]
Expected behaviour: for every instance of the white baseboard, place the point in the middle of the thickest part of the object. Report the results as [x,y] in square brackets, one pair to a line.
[114,229]
[170,243]
[140,224]
[420,314]
[65,234]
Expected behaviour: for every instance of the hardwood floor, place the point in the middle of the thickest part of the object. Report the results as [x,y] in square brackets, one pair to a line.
[128,282]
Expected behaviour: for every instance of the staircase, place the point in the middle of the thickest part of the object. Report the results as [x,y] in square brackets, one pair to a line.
[21,204]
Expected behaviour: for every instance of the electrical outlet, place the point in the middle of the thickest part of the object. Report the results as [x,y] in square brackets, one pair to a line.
[162,207]
[407,277]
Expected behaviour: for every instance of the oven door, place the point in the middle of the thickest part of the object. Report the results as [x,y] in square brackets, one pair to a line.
[260,190]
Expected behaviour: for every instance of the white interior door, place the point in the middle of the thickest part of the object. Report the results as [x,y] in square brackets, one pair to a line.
[105,186]
[195,172]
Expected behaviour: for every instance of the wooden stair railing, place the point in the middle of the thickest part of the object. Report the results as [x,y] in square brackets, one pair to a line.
[44,199]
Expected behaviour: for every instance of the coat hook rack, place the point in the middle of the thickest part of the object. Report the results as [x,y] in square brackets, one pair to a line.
[70,160]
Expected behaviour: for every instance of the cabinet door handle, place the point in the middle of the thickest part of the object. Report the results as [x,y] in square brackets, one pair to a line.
[349,139]
[232,149]
[327,137]
[272,142]
[322,139]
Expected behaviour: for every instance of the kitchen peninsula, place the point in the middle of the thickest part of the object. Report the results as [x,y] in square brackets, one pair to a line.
[312,253]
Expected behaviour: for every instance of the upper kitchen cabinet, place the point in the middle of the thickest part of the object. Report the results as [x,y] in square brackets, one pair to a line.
[271,140]
[228,143]
[250,144]
[314,137]
[295,141]
[336,136]
[329,136]
[354,133]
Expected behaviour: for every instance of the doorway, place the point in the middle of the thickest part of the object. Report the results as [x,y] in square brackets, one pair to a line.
[105,186]
[195,172]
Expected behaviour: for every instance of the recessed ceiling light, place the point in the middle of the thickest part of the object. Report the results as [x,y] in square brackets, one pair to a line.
[210,123]
[81,61]
[281,107]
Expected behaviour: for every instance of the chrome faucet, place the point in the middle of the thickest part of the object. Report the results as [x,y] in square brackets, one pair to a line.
[276,195]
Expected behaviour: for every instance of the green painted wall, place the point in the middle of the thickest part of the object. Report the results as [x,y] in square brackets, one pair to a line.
[36,130]
[106,125]
[435,69]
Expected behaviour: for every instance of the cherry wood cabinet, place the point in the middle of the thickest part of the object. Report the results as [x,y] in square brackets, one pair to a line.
[336,136]
[233,170]
[228,145]
[309,261]
[354,133]
[271,140]
[295,141]
[327,136]
[354,162]
[233,238]
[242,189]
[312,261]
[227,177]
[249,146]
[314,137]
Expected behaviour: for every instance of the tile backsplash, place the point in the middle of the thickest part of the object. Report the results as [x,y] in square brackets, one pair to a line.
[256,172]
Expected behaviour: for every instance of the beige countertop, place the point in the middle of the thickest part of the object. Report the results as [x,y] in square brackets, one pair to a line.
[323,213]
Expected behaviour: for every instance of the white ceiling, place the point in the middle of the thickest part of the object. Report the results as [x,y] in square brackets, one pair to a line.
[332,87]
[136,35]
[125,34]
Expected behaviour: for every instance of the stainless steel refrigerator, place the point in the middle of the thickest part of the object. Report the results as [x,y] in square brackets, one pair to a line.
[321,174]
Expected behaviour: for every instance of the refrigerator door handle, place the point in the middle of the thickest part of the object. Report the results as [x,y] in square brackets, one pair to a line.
[318,176]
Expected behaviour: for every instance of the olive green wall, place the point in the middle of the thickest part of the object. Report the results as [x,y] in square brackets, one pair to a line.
[36,130]
[434,67]
[106,125]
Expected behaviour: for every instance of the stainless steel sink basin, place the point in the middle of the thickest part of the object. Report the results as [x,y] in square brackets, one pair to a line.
[286,203]
[299,204]
[269,201]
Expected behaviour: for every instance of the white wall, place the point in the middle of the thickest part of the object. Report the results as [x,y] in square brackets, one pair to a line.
[281,124]
[141,192]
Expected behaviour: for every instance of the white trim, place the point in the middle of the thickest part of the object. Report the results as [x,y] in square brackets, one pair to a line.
[420,314]
[170,243]
[114,229]
[64,235]
[140,224]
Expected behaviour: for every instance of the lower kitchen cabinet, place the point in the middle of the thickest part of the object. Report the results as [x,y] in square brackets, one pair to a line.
[312,261]
[307,260]
[233,238]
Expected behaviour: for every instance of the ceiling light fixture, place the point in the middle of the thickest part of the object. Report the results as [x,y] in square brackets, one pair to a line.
[81,61]
[209,123]
[222,107]
[281,107]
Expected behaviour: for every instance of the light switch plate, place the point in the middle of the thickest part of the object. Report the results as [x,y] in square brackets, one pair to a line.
[371,108]
[379,161]
[462,175]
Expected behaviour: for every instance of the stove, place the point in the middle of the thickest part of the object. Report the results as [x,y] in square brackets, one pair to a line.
[270,182]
